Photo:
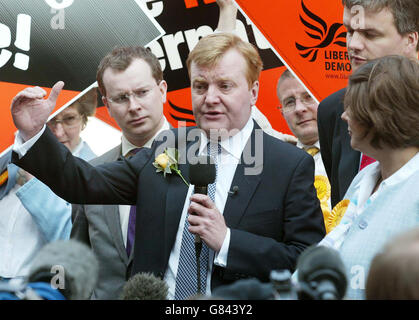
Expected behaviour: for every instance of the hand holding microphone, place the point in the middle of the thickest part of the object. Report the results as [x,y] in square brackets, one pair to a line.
[205,220]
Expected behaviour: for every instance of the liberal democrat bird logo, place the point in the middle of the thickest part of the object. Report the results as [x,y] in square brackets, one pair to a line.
[184,115]
[319,30]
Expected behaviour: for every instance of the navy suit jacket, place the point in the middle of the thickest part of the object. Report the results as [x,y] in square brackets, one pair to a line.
[340,160]
[274,216]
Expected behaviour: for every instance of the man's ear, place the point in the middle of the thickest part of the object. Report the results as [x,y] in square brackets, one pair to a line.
[163,89]
[412,40]
[254,91]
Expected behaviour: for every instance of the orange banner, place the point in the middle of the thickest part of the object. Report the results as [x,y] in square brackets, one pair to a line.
[7,93]
[308,36]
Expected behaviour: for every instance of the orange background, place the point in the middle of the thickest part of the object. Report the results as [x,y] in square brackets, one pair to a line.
[7,92]
[280,23]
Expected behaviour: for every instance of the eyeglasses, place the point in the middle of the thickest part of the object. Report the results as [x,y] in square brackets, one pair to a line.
[290,103]
[68,122]
[124,99]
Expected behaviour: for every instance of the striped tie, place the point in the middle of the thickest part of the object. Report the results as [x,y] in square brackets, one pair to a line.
[186,278]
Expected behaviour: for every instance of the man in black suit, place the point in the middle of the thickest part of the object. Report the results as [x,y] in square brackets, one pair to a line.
[272,215]
[374,29]
[106,228]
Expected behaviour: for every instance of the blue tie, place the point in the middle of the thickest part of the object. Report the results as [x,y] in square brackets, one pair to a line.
[186,278]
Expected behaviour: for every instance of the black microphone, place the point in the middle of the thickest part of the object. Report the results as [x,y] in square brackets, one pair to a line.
[201,175]
[67,265]
[145,286]
[322,272]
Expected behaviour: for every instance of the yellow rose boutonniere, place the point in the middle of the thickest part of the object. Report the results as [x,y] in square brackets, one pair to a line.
[167,162]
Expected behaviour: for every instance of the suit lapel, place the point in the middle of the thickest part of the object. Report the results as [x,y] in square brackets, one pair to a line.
[112,215]
[237,203]
[176,193]
[112,218]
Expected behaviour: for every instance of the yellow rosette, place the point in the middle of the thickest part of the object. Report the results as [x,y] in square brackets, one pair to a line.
[3,177]
[336,215]
[326,212]
[322,185]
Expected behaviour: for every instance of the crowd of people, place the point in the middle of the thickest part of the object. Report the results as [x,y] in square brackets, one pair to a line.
[348,180]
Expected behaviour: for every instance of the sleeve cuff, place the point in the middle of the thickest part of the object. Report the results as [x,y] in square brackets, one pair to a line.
[221,257]
[21,147]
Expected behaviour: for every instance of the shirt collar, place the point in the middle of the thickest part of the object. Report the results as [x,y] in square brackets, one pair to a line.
[77,149]
[234,145]
[404,172]
[304,146]
[128,146]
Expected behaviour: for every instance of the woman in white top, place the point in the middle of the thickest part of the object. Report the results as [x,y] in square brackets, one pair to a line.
[32,215]
[382,112]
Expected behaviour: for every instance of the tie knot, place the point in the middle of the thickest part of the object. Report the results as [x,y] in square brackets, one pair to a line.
[213,149]
[132,152]
[312,150]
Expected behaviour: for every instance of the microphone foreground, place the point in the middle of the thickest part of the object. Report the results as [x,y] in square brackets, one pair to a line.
[67,265]
[321,276]
[145,286]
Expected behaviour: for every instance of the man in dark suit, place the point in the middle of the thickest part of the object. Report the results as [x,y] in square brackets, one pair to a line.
[270,218]
[374,29]
[105,228]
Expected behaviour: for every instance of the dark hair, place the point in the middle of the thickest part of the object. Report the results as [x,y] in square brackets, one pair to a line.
[394,272]
[120,59]
[383,96]
[405,12]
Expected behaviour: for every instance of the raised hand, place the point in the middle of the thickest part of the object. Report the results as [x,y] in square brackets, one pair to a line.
[30,110]
[227,16]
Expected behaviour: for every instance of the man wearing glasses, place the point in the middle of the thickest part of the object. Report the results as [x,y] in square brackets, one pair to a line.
[300,112]
[131,82]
